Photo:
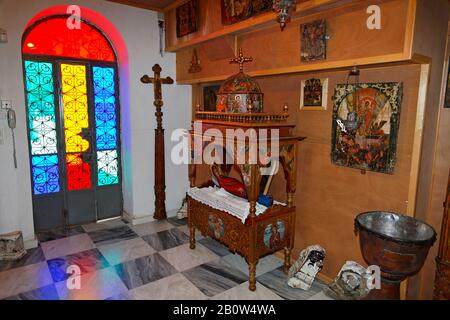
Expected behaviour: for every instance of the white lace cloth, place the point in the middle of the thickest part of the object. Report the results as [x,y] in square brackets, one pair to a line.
[221,199]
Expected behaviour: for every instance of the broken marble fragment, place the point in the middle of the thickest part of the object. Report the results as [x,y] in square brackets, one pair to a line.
[351,283]
[303,272]
[11,246]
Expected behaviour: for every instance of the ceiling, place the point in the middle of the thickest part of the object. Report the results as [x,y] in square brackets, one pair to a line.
[157,5]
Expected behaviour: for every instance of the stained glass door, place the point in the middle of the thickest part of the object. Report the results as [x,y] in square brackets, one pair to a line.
[73,123]
[77,152]
[74,142]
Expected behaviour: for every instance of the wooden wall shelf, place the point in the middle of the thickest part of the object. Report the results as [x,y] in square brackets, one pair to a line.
[304,8]
[351,43]
[371,62]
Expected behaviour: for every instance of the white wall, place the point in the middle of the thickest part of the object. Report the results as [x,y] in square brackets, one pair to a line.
[139,31]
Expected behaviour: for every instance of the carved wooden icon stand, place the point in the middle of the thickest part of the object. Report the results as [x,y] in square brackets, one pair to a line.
[259,235]
[160,179]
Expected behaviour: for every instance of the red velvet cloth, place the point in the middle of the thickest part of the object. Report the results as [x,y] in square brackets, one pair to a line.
[233,186]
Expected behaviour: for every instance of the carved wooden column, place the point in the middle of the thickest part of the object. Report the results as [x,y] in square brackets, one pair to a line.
[288,153]
[251,175]
[160,179]
[192,167]
[252,178]
[287,159]
[442,278]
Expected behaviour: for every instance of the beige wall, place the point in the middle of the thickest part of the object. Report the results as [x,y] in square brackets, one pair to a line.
[329,197]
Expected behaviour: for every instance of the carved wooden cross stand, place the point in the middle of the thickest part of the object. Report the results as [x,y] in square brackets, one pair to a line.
[160,179]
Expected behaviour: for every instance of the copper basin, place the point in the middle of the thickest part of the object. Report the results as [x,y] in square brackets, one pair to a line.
[398,244]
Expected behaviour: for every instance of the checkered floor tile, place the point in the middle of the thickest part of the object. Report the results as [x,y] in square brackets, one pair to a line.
[146,262]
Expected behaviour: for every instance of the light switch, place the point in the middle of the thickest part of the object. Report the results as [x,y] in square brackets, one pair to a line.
[6,104]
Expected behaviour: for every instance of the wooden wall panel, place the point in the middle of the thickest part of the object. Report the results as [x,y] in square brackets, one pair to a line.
[273,49]
[329,197]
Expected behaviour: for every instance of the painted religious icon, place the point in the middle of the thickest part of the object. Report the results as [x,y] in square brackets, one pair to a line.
[210,98]
[187,18]
[365,126]
[215,225]
[274,234]
[313,95]
[313,40]
[447,93]
[237,10]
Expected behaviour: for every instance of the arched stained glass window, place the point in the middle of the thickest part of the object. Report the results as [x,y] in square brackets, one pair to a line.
[52,37]
[71,84]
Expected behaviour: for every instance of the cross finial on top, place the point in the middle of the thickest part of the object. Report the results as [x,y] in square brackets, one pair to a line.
[241,60]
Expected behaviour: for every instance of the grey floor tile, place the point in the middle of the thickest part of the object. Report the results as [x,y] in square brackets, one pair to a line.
[276,281]
[45,293]
[113,235]
[264,265]
[97,285]
[59,234]
[24,279]
[215,277]
[121,297]
[67,246]
[320,296]
[166,239]
[152,227]
[127,250]
[177,222]
[242,292]
[215,246]
[33,256]
[174,287]
[183,258]
[144,270]
[88,261]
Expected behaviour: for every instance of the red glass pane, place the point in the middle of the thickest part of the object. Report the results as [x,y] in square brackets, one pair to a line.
[78,172]
[53,38]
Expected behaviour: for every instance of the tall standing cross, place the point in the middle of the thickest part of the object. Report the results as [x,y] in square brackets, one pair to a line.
[160,178]
[241,60]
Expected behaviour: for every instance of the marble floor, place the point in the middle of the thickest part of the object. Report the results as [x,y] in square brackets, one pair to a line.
[145,262]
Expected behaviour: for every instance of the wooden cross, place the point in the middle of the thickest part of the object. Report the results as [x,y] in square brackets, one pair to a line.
[241,60]
[160,178]
[157,81]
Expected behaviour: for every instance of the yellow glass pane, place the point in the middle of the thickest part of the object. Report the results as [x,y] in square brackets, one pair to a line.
[74,93]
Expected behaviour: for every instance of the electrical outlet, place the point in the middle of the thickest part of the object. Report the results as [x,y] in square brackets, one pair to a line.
[6,104]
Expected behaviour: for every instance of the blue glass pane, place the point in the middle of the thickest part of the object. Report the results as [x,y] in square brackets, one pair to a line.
[41,107]
[105,108]
[45,174]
